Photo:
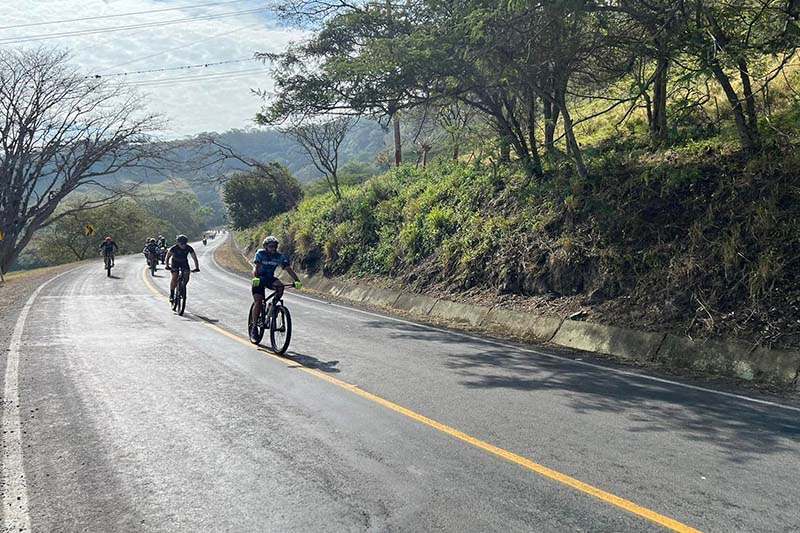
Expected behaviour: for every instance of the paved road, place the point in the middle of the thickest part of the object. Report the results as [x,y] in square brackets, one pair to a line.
[135,419]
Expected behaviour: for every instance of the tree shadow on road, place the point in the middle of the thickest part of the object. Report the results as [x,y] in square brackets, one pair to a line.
[741,429]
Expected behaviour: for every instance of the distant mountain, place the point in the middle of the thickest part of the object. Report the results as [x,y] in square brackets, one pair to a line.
[364,142]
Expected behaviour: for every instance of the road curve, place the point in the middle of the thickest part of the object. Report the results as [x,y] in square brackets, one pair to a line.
[135,419]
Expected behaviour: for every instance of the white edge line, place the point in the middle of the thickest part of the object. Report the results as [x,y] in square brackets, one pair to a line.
[15,488]
[542,354]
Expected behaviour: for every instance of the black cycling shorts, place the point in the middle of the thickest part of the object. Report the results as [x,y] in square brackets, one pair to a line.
[266,283]
[176,267]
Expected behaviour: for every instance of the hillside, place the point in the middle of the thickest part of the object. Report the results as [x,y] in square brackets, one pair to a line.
[691,241]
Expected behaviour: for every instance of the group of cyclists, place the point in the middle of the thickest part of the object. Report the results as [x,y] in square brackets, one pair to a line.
[265,263]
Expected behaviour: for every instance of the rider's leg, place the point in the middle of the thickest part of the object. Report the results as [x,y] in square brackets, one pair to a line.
[172,284]
[257,300]
[112,259]
[278,286]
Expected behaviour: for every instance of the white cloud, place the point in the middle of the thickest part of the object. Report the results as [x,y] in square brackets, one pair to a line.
[191,106]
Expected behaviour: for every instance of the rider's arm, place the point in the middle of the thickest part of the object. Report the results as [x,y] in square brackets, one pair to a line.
[196,264]
[290,271]
[256,262]
[166,260]
[115,246]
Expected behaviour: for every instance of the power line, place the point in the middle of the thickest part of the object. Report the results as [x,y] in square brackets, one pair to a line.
[234,73]
[120,15]
[168,69]
[168,50]
[44,37]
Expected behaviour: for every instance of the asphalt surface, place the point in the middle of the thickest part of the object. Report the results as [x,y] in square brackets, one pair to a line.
[135,419]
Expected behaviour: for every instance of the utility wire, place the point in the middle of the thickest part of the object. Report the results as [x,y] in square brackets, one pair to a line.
[234,73]
[120,15]
[44,37]
[186,67]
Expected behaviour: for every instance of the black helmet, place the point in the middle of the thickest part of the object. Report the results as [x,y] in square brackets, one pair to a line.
[181,239]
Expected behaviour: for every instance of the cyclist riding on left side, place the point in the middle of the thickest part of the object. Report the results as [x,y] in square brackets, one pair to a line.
[150,250]
[179,256]
[107,248]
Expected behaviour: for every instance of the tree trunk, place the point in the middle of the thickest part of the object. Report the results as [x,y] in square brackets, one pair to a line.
[658,124]
[398,149]
[535,159]
[750,103]
[573,147]
[551,113]
[742,128]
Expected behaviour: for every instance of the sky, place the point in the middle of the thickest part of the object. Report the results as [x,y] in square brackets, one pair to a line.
[190,106]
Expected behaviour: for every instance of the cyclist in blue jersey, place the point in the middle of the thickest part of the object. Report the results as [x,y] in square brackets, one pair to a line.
[266,261]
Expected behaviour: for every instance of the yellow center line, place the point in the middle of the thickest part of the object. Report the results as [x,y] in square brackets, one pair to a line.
[600,494]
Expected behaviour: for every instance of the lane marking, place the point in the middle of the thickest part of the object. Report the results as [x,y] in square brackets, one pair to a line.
[600,494]
[483,340]
[542,470]
[15,487]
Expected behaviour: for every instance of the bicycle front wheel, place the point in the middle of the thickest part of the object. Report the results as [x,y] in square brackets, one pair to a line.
[280,330]
[182,298]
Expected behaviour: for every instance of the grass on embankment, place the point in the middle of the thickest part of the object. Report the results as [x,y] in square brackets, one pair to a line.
[688,240]
[229,257]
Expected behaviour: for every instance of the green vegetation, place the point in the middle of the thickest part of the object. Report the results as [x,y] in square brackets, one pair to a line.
[261,194]
[631,160]
[128,221]
[705,245]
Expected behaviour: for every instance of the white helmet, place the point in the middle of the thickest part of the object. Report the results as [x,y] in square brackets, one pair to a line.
[270,240]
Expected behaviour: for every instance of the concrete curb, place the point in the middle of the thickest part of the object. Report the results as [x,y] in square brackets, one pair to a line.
[526,326]
[458,312]
[731,358]
[415,303]
[626,344]
[722,358]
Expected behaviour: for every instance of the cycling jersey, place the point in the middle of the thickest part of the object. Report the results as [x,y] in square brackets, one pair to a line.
[180,256]
[107,247]
[151,248]
[267,262]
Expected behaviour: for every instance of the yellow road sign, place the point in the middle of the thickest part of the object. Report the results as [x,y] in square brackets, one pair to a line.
[88,230]
[1,235]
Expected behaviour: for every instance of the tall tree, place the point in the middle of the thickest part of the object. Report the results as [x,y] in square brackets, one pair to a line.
[354,65]
[321,142]
[252,197]
[60,131]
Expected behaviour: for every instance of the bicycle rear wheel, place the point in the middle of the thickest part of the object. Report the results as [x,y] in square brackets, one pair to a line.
[280,330]
[258,334]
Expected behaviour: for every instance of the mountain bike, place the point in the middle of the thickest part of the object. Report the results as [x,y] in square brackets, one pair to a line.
[274,317]
[179,299]
[108,264]
[152,262]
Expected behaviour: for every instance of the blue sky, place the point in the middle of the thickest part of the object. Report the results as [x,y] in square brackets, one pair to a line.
[213,104]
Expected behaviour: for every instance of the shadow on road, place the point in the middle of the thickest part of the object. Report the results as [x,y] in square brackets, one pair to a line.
[206,319]
[742,430]
[309,361]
